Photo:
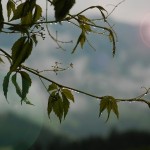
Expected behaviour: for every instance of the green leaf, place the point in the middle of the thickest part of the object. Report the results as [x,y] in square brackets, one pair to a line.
[80,40]
[55,104]
[66,104]
[14,81]
[27,20]
[115,108]
[83,19]
[1,16]
[109,103]
[58,107]
[19,12]
[10,8]
[17,47]
[19,91]
[112,39]
[52,87]
[26,83]
[6,84]
[62,8]
[50,105]
[21,50]
[37,13]
[68,94]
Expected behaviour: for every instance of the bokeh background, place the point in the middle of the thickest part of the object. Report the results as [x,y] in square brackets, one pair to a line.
[96,72]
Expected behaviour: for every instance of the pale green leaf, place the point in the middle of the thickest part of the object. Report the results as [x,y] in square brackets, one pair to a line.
[85,28]
[80,40]
[52,87]
[68,94]
[83,19]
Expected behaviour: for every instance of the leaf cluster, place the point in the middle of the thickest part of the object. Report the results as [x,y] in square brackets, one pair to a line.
[109,103]
[59,101]
[21,91]
[29,12]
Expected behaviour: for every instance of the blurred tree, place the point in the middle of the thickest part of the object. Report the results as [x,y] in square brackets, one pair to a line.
[26,19]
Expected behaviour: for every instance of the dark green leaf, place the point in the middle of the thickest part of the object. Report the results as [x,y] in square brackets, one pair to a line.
[37,13]
[21,50]
[19,12]
[14,81]
[62,8]
[66,104]
[52,87]
[26,83]
[19,28]
[50,105]
[17,47]
[58,107]
[19,91]
[10,8]
[27,20]
[5,84]
[68,94]
[1,16]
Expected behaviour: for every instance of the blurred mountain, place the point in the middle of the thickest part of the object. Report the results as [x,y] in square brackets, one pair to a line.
[15,130]
[20,134]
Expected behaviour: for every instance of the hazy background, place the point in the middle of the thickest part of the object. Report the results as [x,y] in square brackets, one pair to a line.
[96,72]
